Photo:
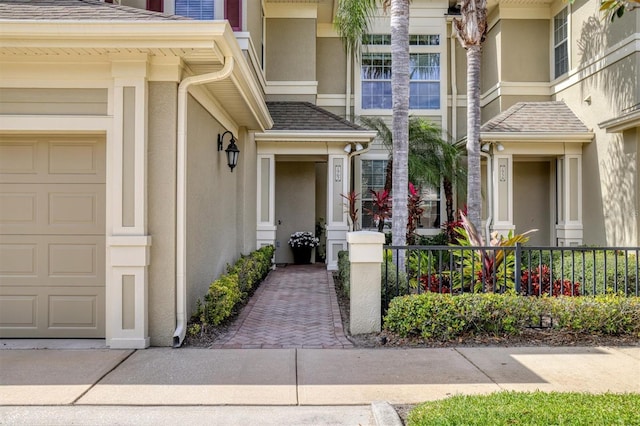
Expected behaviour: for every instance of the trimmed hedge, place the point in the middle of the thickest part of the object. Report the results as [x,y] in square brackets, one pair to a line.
[344,272]
[446,317]
[232,289]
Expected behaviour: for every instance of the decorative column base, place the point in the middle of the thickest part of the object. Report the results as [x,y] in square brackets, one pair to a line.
[127,292]
[336,241]
[569,235]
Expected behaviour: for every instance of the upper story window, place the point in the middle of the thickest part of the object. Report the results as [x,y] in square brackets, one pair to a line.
[195,9]
[424,72]
[561,43]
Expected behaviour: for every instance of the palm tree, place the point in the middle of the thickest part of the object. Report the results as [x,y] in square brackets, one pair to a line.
[352,22]
[471,31]
[431,159]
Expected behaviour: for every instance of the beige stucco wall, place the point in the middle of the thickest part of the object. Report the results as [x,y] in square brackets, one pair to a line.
[254,24]
[140,4]
[491,61]
[291,49]
[212,206]
[609,176]
[161,152]
[331,65]
[525,50]
[295,203]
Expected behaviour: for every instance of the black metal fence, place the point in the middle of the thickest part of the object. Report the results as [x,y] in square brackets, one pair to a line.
[530,271]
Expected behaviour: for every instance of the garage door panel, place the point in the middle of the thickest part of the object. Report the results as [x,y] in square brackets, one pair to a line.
[18,259]
[18,311]
[18,157]
[52,312]
[52,209]
[30,260]
[60,159]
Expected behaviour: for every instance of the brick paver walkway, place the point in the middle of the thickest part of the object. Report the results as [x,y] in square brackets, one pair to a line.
[295,307]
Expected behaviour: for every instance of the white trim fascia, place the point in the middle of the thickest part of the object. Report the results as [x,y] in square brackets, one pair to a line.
[287,10]
[524,11]
[508,88]
[246,43]
[326,30]
[331,100]
[617,52]
[291,88]
[318,136]
[55,123]
[622,122]
[583,137]
[111,34]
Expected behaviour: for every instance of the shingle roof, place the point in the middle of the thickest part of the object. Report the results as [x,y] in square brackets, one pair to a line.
[536,117]
[84,10]
[301,116]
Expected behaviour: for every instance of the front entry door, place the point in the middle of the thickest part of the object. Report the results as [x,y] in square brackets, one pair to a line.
[295,204]
[532,200]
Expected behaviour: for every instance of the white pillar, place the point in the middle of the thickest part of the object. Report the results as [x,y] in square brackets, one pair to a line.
[569,229]
[365,257]
[503,194]
[337,224]
[266,202]
[127,240]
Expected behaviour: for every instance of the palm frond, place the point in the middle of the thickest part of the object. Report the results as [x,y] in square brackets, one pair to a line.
[352,21]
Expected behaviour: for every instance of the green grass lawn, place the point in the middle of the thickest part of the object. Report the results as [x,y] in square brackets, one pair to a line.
[530,408]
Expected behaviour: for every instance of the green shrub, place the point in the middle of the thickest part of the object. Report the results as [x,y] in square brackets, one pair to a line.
[344,272]
[393,283]
[227,292]
[446,317]
[433,240]
[603,314]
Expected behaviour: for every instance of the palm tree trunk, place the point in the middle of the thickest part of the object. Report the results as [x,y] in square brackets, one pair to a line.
[400,128]
[474,197]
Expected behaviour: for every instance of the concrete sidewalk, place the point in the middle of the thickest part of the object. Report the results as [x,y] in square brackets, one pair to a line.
[163,376]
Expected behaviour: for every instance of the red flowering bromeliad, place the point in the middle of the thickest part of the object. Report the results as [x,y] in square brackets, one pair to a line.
[537,282]
[381,211]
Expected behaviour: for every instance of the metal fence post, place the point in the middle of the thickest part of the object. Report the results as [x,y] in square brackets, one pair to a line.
[516,272]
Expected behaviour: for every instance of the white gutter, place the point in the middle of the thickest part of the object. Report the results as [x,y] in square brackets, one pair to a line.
[181,193]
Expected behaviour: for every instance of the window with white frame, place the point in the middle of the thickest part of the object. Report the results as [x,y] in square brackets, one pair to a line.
[373,178]
[195,9]
[561,43]
[374,173]
[424,72]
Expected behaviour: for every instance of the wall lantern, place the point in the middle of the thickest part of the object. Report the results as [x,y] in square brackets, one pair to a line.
[232,150]
[349,147]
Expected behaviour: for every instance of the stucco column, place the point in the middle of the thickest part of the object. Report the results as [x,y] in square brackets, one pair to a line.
[503,194]
[266,200]
[365,256]
[337,225]
[569,229]
[127,240]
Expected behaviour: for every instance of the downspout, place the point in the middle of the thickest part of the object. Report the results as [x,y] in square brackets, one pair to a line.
[489,195]
[181,193]
[454,88]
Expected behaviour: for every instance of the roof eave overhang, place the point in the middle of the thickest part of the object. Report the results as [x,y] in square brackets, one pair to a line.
[579,137]
[320,136]
[215,37]
[621,123]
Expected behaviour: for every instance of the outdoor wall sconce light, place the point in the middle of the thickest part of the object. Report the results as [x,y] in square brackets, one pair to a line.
[232,150]
[349,147]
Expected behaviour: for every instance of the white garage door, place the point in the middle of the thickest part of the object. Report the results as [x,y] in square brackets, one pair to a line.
[52,226]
